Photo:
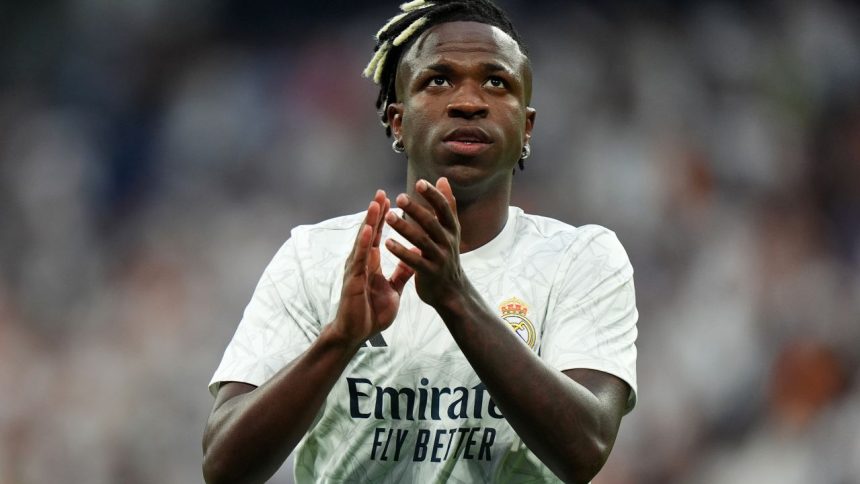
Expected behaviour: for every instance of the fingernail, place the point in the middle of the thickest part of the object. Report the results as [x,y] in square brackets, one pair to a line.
[422,185]
[391,217]
[402,200]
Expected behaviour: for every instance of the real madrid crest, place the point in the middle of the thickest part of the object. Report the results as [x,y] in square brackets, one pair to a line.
[514,313]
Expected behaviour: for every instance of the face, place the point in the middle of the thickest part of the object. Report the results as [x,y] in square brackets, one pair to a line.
[463,113]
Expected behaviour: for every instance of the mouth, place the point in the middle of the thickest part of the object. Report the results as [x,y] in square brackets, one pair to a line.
[467,141]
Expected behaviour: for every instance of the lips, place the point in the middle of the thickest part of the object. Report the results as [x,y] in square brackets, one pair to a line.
[468,134]
[467,141]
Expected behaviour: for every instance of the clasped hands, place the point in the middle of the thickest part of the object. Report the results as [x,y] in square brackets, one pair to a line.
[369,300]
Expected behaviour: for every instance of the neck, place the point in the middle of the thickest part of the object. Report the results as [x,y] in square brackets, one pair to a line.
[480,223]
[482,211]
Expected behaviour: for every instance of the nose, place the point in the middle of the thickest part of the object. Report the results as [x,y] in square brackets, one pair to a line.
[467,102]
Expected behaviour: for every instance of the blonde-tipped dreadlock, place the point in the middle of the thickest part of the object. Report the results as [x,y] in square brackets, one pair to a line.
[416,4]
[395,37]
[374,68]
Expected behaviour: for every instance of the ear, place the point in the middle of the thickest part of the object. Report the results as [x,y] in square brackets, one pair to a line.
[395,119]
[531,114]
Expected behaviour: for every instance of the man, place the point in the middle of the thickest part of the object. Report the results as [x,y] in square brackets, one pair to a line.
[463,340]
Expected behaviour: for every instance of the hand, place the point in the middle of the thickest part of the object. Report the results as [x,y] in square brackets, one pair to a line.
[435,232]
[369,301]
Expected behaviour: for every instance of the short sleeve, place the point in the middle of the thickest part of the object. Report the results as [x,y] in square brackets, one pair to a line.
[591,320]
[278,324]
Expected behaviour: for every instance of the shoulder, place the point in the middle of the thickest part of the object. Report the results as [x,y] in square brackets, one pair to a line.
[329,228]
[574,242]
[328,234]
[317,244]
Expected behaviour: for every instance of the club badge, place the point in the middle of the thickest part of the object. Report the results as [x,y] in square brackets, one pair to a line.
[514,313]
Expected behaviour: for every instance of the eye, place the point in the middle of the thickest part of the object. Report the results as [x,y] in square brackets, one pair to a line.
[495,82]
[438,81]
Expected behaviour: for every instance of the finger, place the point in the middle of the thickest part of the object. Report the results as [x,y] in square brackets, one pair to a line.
[373,215]
[415,234]
[358,258]
[385,205]
[356,267]
[412,258]
[442,203]
[444,186]
[402,273]
[425,218]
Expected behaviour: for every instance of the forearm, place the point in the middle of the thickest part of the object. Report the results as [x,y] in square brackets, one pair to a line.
[249,436]
[557,418]
[564,423]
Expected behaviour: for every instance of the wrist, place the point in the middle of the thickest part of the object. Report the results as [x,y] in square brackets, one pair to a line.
[333,337]
[457,305]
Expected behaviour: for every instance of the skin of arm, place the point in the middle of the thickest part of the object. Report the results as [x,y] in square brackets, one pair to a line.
[252,430]
[568,419]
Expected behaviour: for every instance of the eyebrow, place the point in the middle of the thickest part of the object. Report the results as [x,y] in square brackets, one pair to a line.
[446,69]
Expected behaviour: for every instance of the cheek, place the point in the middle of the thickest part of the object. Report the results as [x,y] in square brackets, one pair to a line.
[515,124]
[416,122]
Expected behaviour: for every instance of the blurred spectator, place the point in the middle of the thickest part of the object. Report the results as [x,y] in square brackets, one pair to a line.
[154,156]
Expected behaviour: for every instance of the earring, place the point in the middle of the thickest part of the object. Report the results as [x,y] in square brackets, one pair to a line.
[397,146]
[527,151]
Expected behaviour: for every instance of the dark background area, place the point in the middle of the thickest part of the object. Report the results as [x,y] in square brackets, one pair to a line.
[155,154]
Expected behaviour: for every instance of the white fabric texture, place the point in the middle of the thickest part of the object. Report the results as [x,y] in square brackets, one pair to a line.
[414,410]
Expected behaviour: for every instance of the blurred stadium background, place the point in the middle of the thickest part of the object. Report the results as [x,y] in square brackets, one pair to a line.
[154,154]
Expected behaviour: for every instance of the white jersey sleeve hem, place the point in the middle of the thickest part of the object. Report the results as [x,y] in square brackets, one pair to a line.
[572,362]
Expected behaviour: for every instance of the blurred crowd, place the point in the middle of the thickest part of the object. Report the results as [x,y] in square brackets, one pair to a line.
[155,154]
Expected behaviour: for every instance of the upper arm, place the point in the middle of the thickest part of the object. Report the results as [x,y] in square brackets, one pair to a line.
[591,321]
[278,324]
[229,390]
[226,392]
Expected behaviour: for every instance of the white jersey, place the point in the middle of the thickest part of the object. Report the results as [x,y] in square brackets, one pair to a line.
[409,407]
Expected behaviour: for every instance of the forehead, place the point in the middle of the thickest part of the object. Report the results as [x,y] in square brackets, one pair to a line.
[464,40]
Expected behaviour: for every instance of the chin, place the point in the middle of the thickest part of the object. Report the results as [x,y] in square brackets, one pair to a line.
[470,184]
[463,172]
[463,175]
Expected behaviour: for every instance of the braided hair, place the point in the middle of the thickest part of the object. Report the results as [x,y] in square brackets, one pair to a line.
[416,17]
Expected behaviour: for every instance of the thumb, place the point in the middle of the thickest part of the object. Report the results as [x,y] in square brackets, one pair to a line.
[402,273]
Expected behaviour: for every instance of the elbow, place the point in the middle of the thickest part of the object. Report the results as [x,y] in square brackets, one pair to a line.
[582,465]
[213,467]
[218,471]
[215,470]
[222,466]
